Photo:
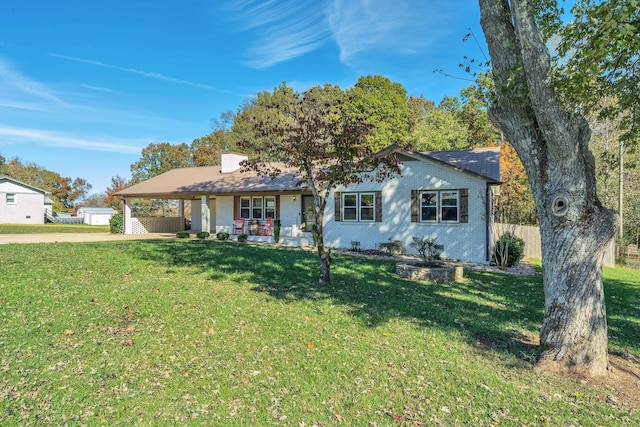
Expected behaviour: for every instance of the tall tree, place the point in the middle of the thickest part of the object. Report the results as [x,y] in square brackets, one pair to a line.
[118,183]
[64,191]
[311,133]
[439,129]
[553,144]
[160,158]
[381,104]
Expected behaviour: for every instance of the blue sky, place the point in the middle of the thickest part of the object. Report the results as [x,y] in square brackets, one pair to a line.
[85,85]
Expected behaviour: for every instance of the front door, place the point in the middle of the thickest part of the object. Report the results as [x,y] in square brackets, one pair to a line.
[308,213]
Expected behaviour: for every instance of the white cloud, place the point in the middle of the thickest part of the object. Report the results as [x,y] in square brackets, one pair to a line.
[398,26]
[285,29]
[97,88]
[13,82]
[153,75]
[15,135]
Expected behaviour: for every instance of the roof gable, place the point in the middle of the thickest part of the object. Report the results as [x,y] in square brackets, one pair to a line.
[5,178]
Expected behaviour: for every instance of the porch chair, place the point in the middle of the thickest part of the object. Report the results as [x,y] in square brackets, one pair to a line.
[238,226]
[264,229]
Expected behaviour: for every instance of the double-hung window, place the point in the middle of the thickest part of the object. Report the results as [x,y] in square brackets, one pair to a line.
[449,203]
[257,207]
[359,207]
[11,199]
[439,206]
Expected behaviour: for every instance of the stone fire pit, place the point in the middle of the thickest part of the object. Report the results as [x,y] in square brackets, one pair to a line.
[434,272]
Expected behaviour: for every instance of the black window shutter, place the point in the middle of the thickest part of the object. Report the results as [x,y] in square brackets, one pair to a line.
[337,199]
[378,206]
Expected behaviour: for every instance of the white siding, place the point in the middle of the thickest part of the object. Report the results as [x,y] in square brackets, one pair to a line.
[464,241]
[27,209]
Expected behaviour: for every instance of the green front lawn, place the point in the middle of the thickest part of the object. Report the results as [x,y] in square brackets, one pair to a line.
[221,333]
[52,228]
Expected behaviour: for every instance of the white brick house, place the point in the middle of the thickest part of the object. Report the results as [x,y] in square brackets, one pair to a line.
[20,203]
[446,195]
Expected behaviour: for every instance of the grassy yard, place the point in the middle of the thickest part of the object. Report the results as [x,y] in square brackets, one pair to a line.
[52,228]
[220,333]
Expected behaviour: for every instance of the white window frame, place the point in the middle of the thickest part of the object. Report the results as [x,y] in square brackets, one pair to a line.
[358,207]
[264,205]
[269,207]
[257,205]
[449,206]
[245,207]
[440,197]
[11,198]
[436,207]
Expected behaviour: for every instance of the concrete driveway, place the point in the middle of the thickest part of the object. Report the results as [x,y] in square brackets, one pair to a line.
[78,237]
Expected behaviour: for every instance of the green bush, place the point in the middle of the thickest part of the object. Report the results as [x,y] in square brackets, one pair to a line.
[222,235]
[508,250]
[427,247]
[116,224]
[203,234]
[182,234]
[276,230]
[242,237]
[393,247]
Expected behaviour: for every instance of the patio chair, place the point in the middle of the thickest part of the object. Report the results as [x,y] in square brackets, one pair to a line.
[264,229]
[238,226]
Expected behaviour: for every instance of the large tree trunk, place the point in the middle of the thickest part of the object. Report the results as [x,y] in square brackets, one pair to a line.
[553,146]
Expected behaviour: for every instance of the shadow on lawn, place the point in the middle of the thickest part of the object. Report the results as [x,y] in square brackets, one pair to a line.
[491,310]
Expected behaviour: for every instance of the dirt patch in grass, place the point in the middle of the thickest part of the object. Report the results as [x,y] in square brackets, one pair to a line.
[620,387]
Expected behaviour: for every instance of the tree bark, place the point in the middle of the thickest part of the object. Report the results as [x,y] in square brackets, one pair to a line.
[324,253]
[553,146]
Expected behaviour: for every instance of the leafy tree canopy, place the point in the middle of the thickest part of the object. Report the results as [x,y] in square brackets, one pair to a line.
[64,191]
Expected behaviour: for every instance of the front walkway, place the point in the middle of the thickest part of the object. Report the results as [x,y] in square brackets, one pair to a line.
[78,237]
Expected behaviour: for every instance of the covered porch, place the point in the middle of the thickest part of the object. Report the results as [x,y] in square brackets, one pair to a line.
[251,214]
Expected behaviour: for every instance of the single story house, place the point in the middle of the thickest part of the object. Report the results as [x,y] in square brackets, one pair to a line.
[446,195]
[96,216]
[21,203]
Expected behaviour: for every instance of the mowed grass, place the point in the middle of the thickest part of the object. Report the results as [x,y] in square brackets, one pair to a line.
[52,228]
[220,333]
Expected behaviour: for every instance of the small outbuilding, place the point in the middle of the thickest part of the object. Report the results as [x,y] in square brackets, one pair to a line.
[96,216]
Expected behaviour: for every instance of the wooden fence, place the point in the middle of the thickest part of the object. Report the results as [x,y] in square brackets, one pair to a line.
[532,244]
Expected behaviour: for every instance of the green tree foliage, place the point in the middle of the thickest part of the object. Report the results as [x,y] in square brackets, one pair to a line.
[160,158]
[64,191]
[314,134]
[381,104]
[439,129]
[598,57]
[456,123]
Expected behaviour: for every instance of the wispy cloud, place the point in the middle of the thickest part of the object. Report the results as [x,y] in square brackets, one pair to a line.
[12,81]
[285,29]
[399,27]
[153,75]
[97,88]
[16,135]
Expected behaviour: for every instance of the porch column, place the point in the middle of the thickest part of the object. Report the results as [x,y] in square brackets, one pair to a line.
[181,212]
[126,217]
[205,214]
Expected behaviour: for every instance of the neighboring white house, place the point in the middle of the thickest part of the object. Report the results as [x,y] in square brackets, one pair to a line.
[20,203]
[446,195]
[96,216]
